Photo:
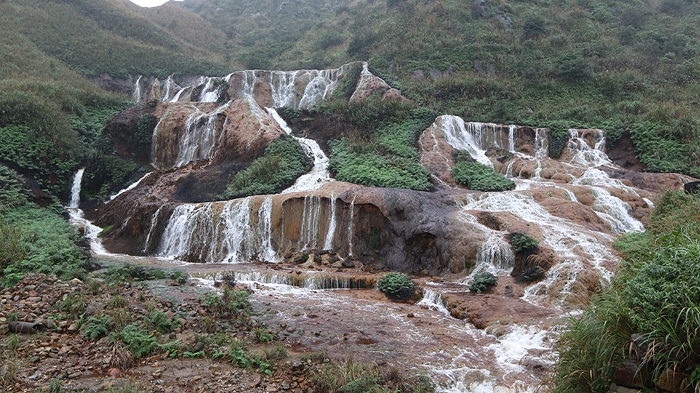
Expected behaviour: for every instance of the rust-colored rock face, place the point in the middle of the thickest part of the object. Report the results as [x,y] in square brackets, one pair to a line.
[236,132]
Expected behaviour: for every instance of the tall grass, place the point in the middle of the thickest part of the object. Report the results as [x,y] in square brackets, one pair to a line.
[656,296]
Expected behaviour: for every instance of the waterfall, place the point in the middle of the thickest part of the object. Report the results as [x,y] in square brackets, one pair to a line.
[194,232]
[249,80]
[319,174]
[322,84]
[77,218]
[170,87]
[283,88]
[199,138]
[136,95]
[238,236]
[75,189]
[130,187]
[210,92]
[495,256]
[331,223]
[267,253]
[351,224]
[541,143]
[511,138]
[461,137]
[584,154]
[190,229]
[154,222]
[572,242]
[433,300]
[310,220]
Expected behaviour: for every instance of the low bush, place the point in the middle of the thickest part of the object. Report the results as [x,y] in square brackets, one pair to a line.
[229,303]
[96,327]
[521,242]
[480,177]
[483,282]
[139,342]
[284,161]
[396,285]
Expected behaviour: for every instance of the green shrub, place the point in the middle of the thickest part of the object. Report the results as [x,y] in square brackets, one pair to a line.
[396,285]
[372,169]
[96,327]
[160,322]
[482,282]
[480,177]
[521,242]
[284,161]
[229,303]
[139,342]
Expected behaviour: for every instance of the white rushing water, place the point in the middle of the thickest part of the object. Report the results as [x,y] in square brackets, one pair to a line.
[330,235]
[584,154]
[319,174]
[77,217]
[130,187]
[239,233]
[136,95]
[199,139]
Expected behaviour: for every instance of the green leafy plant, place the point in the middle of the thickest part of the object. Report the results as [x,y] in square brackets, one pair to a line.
[284,161]
[483,282]
[139,342]
[96,327]
[480,177]
[522,242]
[396,285]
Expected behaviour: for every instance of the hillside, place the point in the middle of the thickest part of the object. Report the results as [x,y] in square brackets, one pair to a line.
[630,68]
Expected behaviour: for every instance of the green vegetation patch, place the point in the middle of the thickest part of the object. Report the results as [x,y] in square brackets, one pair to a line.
[480,177]
[284,161]
[396,285]
[34,239]
[483,282]
[382,152]
[521,242]
[655,297]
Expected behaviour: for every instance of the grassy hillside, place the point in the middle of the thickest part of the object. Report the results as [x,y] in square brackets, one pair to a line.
[630,67]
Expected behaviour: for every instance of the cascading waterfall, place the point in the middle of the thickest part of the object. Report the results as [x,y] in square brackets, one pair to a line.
[238,237]
[433,300]
[351,225]
[541,143]
[570,241]
[319,174]
[584,154]
[267,253]
[284,89]
[154,222]
[322,84]
[130,187]
[199,139]
[311,217]
[77,218]
[190,228]
[136,96]
[249,81]
[170,88]
[461,137]
[511,137]
[495,256]
[331,223]
[75,189]
[235,235]
[210,92]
